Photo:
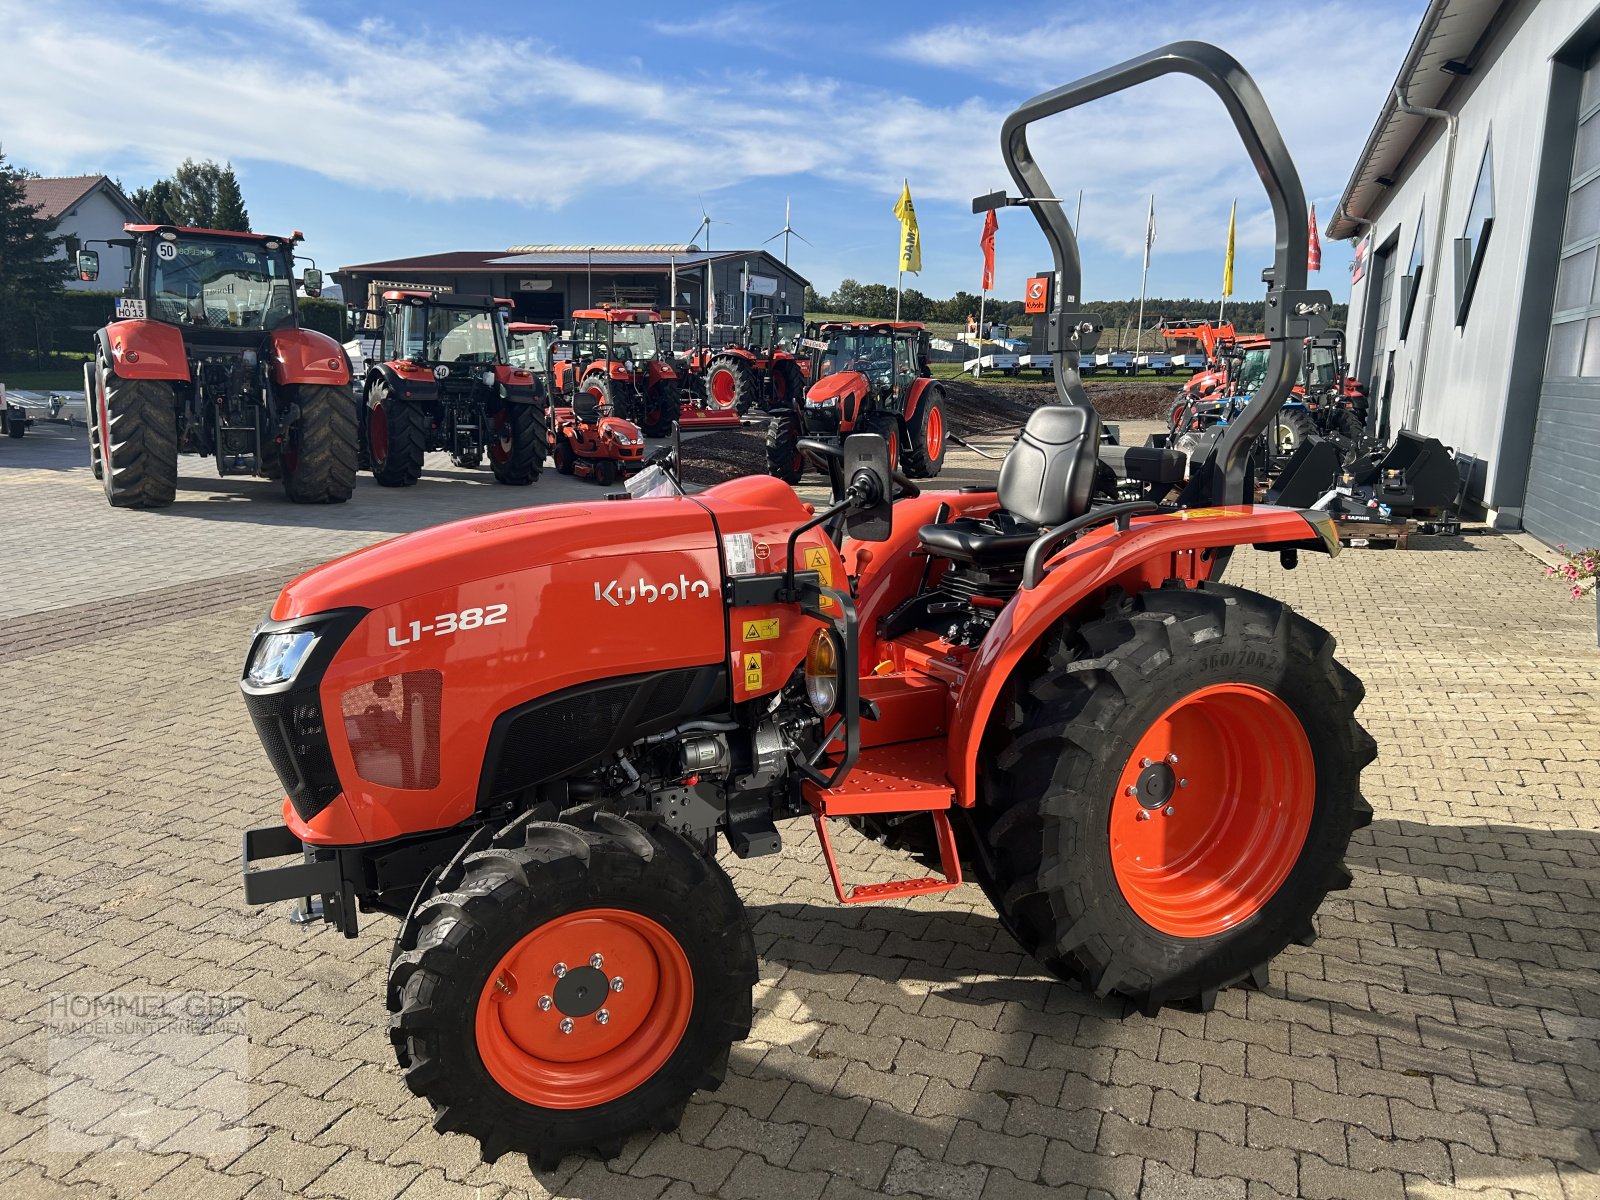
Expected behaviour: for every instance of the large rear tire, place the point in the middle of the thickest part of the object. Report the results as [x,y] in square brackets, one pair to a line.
[139,442]
[397,437]
[925,434]
[318,460]
[1165,879]
[730,383]
[1348,425]
[499,982]
[1292,427]
[784,460]
[517,442]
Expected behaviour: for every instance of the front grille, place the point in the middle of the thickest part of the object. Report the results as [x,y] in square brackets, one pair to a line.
[291,729]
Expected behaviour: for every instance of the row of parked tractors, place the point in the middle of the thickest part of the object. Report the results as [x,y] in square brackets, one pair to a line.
[207,356]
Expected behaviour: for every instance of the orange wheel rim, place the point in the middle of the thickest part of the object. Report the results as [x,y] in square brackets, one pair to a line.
[1212,810]
[722,389]
[541,1034]
[935,433]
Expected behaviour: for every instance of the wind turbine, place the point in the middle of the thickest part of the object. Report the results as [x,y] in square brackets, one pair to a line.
[785,232]
[704,227]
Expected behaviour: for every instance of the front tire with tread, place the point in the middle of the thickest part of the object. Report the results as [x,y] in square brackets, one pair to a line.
[139,443]
[320,464]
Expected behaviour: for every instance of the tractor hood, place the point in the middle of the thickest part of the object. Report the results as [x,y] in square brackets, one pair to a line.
[844,388]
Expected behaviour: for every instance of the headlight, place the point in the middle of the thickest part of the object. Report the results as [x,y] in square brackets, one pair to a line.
[824,402]
[278,657]
[822,672]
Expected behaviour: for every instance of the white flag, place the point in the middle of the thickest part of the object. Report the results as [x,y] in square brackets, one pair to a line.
[1150,232]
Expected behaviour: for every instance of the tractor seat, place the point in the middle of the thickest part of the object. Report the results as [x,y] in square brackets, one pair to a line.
[1047,478]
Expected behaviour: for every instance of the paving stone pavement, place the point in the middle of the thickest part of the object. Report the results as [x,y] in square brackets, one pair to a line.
[1440,1039]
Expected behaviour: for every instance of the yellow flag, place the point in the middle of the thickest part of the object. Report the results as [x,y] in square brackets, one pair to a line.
[1227,263]
[910,240]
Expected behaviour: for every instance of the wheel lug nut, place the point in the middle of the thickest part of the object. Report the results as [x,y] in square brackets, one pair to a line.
[602,1016]
[1183,783]
[566,1024]
[1169,810]
[1132,790]
[616,984]
[1144,762]
[544,1003]
[596,961]
[1173,759]
[500,982]
[1144,814]
[559,970]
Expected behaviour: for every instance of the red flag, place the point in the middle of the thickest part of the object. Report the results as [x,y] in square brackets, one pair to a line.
[990,224]
[1313,245]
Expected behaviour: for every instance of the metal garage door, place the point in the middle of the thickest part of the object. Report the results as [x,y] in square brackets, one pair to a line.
[1563,500]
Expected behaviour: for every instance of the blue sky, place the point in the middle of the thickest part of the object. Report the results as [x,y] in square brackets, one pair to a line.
[480,125]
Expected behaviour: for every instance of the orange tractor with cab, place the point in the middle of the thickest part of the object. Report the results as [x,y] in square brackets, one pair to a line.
[443,381]
[1152,775]
[207,356]
[868,377]
[763,370]
[616,357]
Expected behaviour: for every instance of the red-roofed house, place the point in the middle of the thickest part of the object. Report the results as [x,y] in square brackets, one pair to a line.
[91,209]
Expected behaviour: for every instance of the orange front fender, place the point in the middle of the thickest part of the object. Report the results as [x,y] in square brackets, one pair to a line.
[306,356]
[1152,550]
[146,350]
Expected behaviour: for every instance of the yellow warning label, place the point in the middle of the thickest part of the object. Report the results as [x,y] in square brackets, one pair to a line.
[761,631]
[752,672]
[817,560]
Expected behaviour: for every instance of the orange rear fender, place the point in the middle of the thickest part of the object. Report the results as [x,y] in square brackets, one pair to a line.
[306,356]
[1154,549]
[145,350]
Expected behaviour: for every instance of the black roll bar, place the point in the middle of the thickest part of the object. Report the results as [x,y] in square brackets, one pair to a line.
[1292,312]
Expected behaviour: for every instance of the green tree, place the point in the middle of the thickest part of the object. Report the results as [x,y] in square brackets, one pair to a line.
[230,212]
[30,275]
[816,302]
[199,194]
[153,202]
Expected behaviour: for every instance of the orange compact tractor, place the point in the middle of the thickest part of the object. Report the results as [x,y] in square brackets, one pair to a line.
[587,438]
[207,356]
[871,377]
[1151,774]
[444,382]
[761,371]
[616,358]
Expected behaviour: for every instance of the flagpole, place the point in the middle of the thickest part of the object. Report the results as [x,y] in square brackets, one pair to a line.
[977,367]
[1077,215]
[1138,333]
[898,292]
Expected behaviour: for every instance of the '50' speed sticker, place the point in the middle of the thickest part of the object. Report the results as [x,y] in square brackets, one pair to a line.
[464,621]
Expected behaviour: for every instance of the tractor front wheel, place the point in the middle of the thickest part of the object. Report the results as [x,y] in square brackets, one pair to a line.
[1348,425]
[517,441]
[784,459]
[318,459]
[564,456]
[661,408]
[138,442]
[571,984]
[397,437]
[1174,785]
[788,383]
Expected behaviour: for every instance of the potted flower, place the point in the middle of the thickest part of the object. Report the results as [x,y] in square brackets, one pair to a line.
[1580,573]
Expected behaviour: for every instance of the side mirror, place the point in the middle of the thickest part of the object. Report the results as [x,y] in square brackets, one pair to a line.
[311,281]
[88,265]
[866,472]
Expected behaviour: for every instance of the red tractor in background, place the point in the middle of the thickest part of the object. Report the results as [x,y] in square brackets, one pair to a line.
[869,377]
[1152,775]
[207,356]
[761,371]
[443,382]
[586,438]
[616,357]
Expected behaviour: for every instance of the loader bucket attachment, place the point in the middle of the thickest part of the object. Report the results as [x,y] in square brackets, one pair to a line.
[1310,471]
[1416,474]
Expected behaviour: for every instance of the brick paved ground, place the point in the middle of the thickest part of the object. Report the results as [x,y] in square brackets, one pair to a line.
[1441,1038]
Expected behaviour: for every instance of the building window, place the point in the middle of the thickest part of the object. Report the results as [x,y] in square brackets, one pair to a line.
[1411,281]
[1474,239]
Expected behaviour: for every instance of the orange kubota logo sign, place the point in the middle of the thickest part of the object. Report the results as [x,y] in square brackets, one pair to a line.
[1037,296]
[619,596]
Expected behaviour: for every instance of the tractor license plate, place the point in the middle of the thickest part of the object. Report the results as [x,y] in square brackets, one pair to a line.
[131,308]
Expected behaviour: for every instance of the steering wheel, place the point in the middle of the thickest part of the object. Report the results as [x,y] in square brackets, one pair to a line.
[823,452]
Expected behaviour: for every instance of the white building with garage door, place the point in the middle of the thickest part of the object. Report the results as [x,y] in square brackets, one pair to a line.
[1475,208]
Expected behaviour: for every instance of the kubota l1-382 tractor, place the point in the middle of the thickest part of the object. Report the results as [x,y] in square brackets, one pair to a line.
[207,356]
[443,382]
[525,735]
[869,377]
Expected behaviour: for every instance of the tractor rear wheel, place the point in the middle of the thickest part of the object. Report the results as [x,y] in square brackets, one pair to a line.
[730,383]
[661,408]
[517,441]
[925,435]
[1174,785]
[1347,425]
[571,984]
[318,459]
[397,435]
[1292,427]
[138,442]
[788,383]
[784,460]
